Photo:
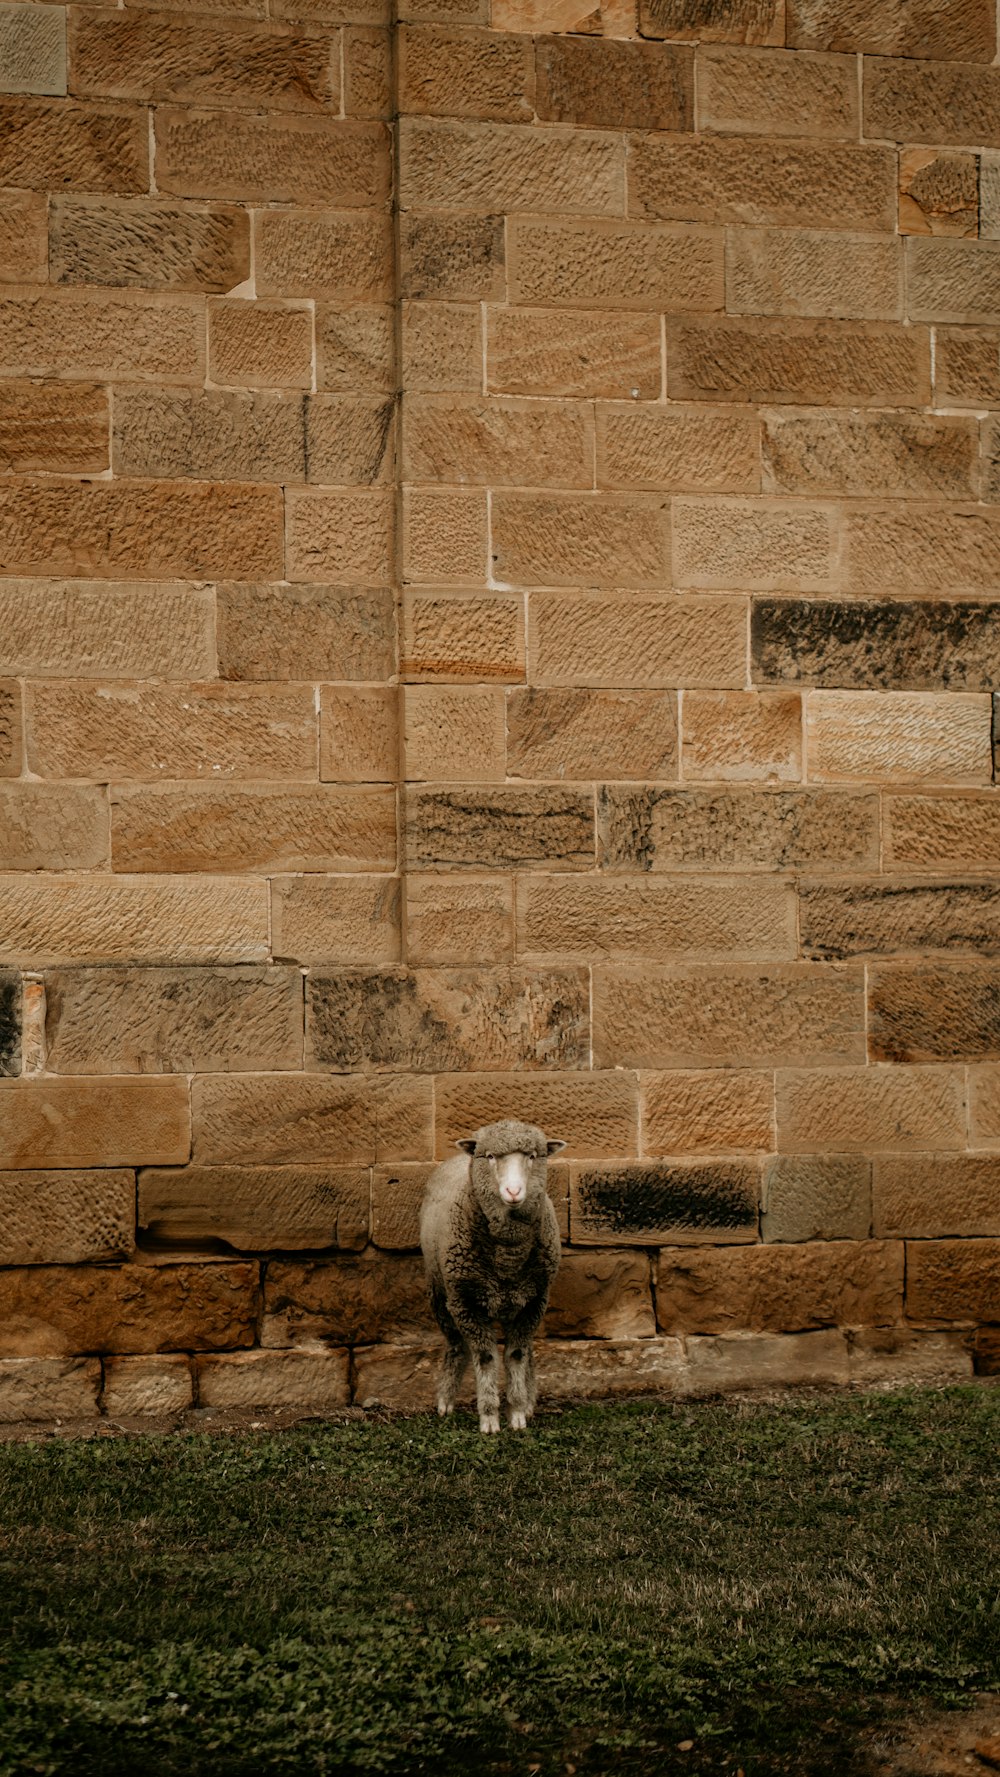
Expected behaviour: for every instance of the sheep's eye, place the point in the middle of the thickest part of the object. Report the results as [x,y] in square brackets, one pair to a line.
[493,1159]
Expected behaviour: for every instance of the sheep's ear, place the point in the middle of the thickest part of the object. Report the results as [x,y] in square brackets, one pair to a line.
[554,1147]
[467,1147]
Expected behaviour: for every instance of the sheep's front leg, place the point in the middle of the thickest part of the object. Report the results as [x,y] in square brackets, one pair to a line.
[519,1362]
[487,1364]
[456,1354]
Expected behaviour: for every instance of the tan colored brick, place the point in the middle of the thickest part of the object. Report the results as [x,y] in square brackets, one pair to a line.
[81,1123]
[585,1370]
[899,735]
[53,826]
[256,1206]
[707,1113]
[210,435]
[574,539]
[457,256]
[953,1280]
[455,73]
[33,1389]
[499,166]
[259,827]
[397,1192]
[463,921]
[33,49]
[304,632]
[585,352]
[172,1021]
[984,1104]
[952,280]
[44,427]
[928,1196]
[498,443]
[345,258]
[153,242]
[828,1197]
[196,58]
[766,1360]
[510,828]
[462,636]
[987,189]
[335,919]
[879,917]
[292,160]
[71,147]
[644,1202]
[754,544]
[594,1114]
[636,639]
[24,240]
[602,1295]
[444,534]
[355,349]
[454,733]
[359,733]
[824,363]
[637,86]
[285,1119]
[404,1376]
[11,729]
[939,1013]
[135,1386]
[895,28]
[341,535]
[612,18]
[132,334]
[901,1354]
[947,833]
[692,450]
[787,271]
[145,530]
[939,102]
[367,72]
[742,736]
[253,345]
[579,733]
[69,1218]
[83,728]
[770,92]
[922,549]
[616,265]
[442,348]
[780,1289]
[315,1380]
[870,454]
[662,830]
[719,179]
[350,438]
[65,919]
[855,1109]
[714,21]
[349,1300]
[938,193]
[699,1017]
[595,918]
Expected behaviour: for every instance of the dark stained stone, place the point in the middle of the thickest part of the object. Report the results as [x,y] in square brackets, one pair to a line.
[503,829]
[713,21]
[665,829]
[876,917]
[934,1014]
[905,644]
[348,1300]
[614,85]
[451,256]
[646,1202]
[949,30]
[10,1024]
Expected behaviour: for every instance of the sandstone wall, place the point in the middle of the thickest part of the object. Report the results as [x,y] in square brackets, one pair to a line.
[500,607]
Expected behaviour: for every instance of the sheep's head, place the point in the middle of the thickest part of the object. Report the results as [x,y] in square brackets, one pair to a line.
[509,1162]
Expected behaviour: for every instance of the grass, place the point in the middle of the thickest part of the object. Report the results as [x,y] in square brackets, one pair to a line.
[406,1597]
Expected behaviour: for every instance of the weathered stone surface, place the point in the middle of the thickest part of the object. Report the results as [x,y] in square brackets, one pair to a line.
[444,535]
[646,1202]
[68,629]
[454,732]
[609,18]
[91,333]
[613,85]
[596,918]
[11,729]
[953,1280]
[985,1343]
[903,1354]
[823,1198]
[584,352]
[595,1114]
[497,443]
[522,829]
[461,636]
[298,632]
[869,454]
[714,21]
[740,736]
[575,1371]
[24,241]
[136,1386]
[767,92]
[77,1123]
[615,265]
[780,1289]
[154,242]
[824,363]
[350,439]
[403,1376]
[766,1360]
[339,535]
[299,160]
[159,55]
[70,1218]
[953,280]
[876,918]
[167,1021]
[926,101]
[441,348]
[42,427]
[581,733]
[707,1113]
[10,1023]
[938,193]
[456,256]
[785,271]
[441,1020]
[68,147]
[209,435]
[483,166]
[722,179]
[33,49]
[34,1388]
[50,1311]
[602,1295]
[890,644]
[690,450]
[941,832]
[268,827]
[581,539]
[463,921]
[313,1379]
[260,344]
[336,919]
[927,1196]
[965,33]
[449,73]
[359,733]
[338,256]
[46,921]
[902,736]
[355,349]
[349,1301]
[367,72]
[854,1110]
[256,1207]
[285,1119]
[636,639]
[706,829]
[752,543]
[730,1017]
[397,1193]
[967,366]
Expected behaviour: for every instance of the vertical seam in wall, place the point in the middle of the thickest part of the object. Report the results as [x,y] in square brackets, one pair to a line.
[397,502]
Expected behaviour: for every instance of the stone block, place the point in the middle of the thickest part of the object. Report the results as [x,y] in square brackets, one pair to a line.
[650,1202]
[638,86]
[355,349]
[350,439]
[934,1014]
[878,918]
[501,166]
[742,736]
[441,353]
[71,629]
[985,1343]
[455,636]
[601,1295]
[616,265]
[253,345]
[854,1110]
[367,72]
[288,1119]
[340,535]
[271,159]
[444,1020]
[165,1021]
[459,921]
[24,240]
[953,280]
[965,33]
[82,1123]
[268,827]
[11,729]
[460,257]
[925,549]
[501,829]
[72,1218]
[582,352]
[780,1289]
[714,21]
[256,1207]
[201,59]
[211,435]
[930,1196]
[574,1370]
[400,1376]
[941,102]
[879,1355]
[70,147]
[33,49]
[341,257]
[770,92]
[984,1105]
[788,271]
[358,737]
[454,733]
[581,539]
[301,632]
[756,181]
[938,193]
[497,443]
[444,534]
[10,1023]
[36,1389]
[827,1197]
[315,1381]
[609,18]
[808,362]
[876,644]
[53,1311]
[597,918]
[397,1193]
[899,736]
[936,833]
[613,639]
[967,366]
[756,544]
[664,830]
[349,1301]
[336,919]
[595,1114]
[157,243]
[719,1112]
[574,732]
[766,1360]
[47,921]
[953,1280]
[690,450]
[700,1017]
[456,73]
[884,454]
[137,1386]
[136,335]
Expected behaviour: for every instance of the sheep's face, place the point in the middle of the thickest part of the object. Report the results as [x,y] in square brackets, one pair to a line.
[509,1163]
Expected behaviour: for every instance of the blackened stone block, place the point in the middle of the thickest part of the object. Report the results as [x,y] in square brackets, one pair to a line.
[890,644]
[654,829]
[878,918]
[648,1202]
[10,1024]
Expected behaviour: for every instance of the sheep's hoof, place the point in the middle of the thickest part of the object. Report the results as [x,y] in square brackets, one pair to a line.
[518,1421]
[489,1422]
[444,1408]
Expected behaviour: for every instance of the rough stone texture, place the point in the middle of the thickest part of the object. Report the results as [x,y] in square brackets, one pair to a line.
[481,166]
[966,370]
[401,1376]
[826,1198]
[953,1280]
[444,535]
[715,179]
[934,1014]
[310,1379]
[798,361]
[574,539]
[24,245]
[355,348]
[254,343]
[81,1123]
[583,733]
[595,1114]
[33,49]
[767,93]
[740,736]
[134,1386]
[461,636]
[873,918]
[523,829]
[928,1196]
[953,280]
[735,1016]
[11,729]
[578,1371]
[358,741]
[583,81]
[347,919]
[941,832]
[497,443]
[594,919]
[168,1021]
[34,1388]
[707,1113]
[691,450]
[155,243]
[348,1301]
[780,1289]
[159,55]
[722,542]
[583,352]
[397,1193]
[256,1207]
[856,1110]
[303,160]
[249,437]
[462,921]
[785,271]
[10,1023]
[667,830]
[452,733]
[902,1354]
[869,644]
[616,265]
[766,1360]
[57,1311]
[899,736]
[649,1202]
[66,1218]
[965,33]
[266,827]
[340,256]
[285,1119]
[711,21]
[869,454]
[46,921]
[293,632]
[601,1295]
[73,147]
[941,102]
[938,193]
[457,256]
[136,335]
[636,639]
[70,628]
[448,73]
[47,428]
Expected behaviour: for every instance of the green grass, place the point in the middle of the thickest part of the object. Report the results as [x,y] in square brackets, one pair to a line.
[407,1596]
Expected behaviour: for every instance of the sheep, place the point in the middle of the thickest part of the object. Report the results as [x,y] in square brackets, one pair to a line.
[490,1242]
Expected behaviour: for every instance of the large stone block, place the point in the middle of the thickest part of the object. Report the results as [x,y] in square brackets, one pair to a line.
[766,1360]
[594,918]
[595,1114]
[400,1376]
[269,159]
[953,280]
[268,827]
[397,1193]
[513,829]
[729,1017]
[359,733]
[929,1196]
[617,265]
[692,450]
[449,73]
[336,919]
[827,1197]
[444,535]
[614,639]
[876,644]
[953,1280]
[902,1354]
[602,1295]
[137,1386]
[315,1381]
[754,544]
[53,826]
[767,92]
[459,921]
[340,535]
[133,334]
[878,918]
[156,243]
[581,733]
[854,1110]
[201,59]
[253,345]
[499,166]
[646,1203]
[33,49]
[256,1207]
[867,454]
[11,729]
[455,732]
[49,1311]
[81,1123]
[899,736]
[966,366]
[584,80]
[984,1105]
[723,1111]
[808,362]
[935,1014]
[349,1301]
[941,832]
[780,1289]
[67,147]
[36,1389]
[714,21]
[301,632]
[456,256]
[583,352]
[575,1370]
[59,429]
[73,1217]
[350,438]
[355,348]
[79,629]
[46,921]
[24,240]
[497,443]
[742,736]
[10,1023]
[209,435]
[441,349]
[665,830]
[786,271]
[965,33]
[343,257]
[937,102]
[581,539]
[163,1021]
[938,193]
[462,636]
[286,1119]
[730,179]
